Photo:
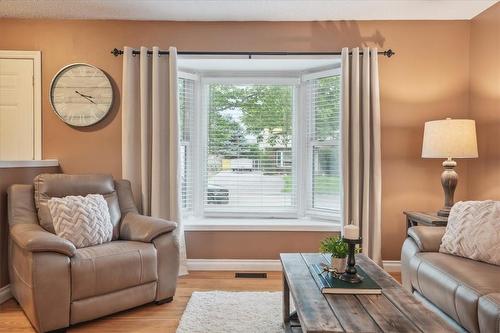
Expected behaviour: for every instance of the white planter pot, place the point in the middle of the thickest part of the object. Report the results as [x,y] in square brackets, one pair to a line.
[339,264]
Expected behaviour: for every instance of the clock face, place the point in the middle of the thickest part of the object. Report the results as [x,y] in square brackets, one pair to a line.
[81,94]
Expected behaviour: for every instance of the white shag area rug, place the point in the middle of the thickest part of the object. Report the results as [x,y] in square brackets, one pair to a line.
[232,312]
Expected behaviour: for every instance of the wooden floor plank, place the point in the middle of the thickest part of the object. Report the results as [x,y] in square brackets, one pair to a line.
[149,318]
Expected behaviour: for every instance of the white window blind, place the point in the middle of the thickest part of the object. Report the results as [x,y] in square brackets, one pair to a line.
[249,151]
[254,147]
[323,100]
[186,115]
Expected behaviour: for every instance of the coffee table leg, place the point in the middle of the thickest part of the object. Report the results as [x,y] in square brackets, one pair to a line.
[286,304]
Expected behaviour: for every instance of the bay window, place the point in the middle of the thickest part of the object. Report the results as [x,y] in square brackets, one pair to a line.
[264,145]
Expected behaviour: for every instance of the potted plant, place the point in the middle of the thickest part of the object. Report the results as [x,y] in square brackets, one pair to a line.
[337,248]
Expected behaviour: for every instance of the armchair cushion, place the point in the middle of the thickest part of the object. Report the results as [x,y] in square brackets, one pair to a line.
[109,267]
[142,228]
[33,238]
[427,239]
[84,221]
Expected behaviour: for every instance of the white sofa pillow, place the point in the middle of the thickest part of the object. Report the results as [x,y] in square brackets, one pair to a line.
[84,221]
[473,231]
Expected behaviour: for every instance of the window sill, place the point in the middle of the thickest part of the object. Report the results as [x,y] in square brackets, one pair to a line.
[239,224]
[29,164]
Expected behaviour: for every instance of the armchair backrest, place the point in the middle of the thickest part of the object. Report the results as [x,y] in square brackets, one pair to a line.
[21,206]
[47,186]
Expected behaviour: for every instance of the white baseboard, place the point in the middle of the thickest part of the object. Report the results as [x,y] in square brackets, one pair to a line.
[233,265]
[5,294]
[392,265]
[256,265]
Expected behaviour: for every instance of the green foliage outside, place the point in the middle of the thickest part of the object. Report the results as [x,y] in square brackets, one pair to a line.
[287,184]
[265,112]
[322,184]
[267,108]
[335,246]
[326,184]
[327,118]
[262,108]
[182,106]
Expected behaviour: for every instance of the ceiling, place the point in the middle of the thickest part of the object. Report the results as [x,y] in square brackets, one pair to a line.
[245,10]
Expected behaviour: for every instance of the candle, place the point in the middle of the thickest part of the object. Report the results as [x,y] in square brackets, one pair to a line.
[351,231]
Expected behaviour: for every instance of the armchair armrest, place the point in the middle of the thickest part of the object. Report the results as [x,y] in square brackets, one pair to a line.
[428,239]
[142,228]
[33,238]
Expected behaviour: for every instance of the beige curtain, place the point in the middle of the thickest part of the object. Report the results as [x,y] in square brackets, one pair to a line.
[150,135]
[361,171]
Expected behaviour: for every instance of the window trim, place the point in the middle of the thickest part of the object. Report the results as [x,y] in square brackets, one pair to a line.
[260,224]
[198,158]
[320,74]
[302,212]
[205,81]
[255,80]
[187,76]
[309,210]
[190,145]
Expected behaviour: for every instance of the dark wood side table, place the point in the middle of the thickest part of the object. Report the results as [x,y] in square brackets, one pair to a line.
[422,218]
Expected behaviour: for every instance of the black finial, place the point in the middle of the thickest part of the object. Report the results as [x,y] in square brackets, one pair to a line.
[116,52]
[389,53]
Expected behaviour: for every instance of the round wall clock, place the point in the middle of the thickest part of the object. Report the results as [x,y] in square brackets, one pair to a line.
[81,94]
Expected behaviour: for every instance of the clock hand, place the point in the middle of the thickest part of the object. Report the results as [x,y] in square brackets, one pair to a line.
[83,95]
[87,97]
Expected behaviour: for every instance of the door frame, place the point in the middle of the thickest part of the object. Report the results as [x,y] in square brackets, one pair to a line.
[36,56]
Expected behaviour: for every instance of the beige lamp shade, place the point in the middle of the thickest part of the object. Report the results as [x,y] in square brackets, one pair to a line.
[450,138]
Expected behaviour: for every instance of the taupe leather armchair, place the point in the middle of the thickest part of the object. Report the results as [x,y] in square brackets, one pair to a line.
[58,285]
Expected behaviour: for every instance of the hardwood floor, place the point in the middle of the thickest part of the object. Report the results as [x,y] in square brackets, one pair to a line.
[152,318]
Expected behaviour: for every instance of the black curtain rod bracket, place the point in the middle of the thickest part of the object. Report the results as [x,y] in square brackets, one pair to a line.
[116,52]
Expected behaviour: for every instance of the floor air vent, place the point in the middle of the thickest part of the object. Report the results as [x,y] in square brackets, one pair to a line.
[249,275]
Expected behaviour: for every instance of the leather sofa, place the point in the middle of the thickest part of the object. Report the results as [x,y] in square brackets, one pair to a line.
[58,285]
[465,292]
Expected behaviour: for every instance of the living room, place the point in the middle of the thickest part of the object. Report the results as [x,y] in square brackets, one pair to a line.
[224,144]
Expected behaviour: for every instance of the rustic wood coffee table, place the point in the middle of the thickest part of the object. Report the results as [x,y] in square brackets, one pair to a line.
[396,310]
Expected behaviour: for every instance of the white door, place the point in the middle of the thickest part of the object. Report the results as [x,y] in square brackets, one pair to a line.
[16,109]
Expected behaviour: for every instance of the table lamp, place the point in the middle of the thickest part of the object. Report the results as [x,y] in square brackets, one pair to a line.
[449,138]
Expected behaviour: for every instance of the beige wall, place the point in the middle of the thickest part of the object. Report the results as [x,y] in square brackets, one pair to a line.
[250,244]
[9,176]
[484,172]
[427,79]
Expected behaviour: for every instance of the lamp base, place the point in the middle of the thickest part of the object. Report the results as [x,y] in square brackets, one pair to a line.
[449,180]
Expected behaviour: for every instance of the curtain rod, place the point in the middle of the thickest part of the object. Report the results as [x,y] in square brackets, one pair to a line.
[116,52]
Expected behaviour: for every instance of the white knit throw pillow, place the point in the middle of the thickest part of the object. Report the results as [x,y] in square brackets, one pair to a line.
[84,221]
[473,231]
